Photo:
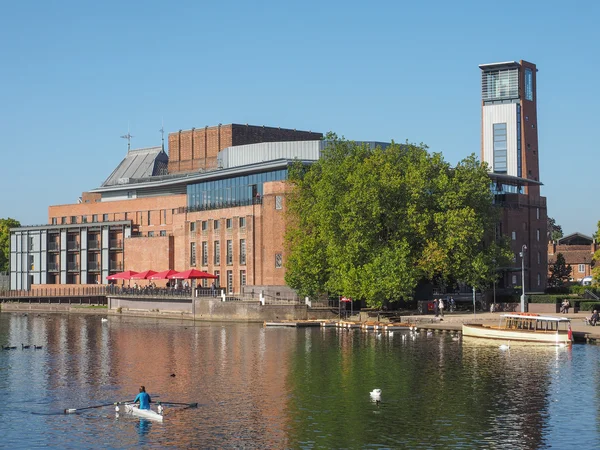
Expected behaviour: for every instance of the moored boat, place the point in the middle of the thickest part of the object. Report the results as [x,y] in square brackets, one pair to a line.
[527,327]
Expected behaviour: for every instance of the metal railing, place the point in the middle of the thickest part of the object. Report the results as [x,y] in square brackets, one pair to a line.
[116,243]
[53,267]
[71,291]
[72,266]
[94,245]
[72,245]
[116,266]
[93,265]
[53,246]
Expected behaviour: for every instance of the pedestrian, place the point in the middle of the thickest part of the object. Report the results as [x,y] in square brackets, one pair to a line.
[436,307]
[441,306]
[212,289]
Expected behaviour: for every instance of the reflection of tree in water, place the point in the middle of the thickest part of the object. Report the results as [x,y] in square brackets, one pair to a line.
[433,393]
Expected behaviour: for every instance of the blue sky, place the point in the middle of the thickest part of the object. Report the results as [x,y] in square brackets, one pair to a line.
[75,75]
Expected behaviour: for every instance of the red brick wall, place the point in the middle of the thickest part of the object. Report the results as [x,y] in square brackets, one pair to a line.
[198,148]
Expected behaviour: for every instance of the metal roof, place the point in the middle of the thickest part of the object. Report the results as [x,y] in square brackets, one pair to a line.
[139,163]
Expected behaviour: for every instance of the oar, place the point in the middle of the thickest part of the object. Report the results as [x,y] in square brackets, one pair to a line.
[73,410]
[189,405]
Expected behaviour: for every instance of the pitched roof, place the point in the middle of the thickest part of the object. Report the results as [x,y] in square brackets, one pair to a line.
[575,239]
[139,163]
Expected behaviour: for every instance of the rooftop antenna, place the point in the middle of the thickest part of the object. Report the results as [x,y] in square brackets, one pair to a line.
[128,137]
[162,134]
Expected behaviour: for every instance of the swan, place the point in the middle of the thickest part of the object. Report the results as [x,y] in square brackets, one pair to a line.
[104,319]
[505,346]
[429,333]
[375,395]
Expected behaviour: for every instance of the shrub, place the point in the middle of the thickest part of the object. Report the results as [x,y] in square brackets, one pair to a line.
[119,309]
[589,306]
[549,298]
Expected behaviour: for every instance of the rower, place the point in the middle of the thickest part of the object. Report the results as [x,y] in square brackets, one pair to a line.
[143,398]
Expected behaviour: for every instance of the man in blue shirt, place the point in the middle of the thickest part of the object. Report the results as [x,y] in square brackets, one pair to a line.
[143,398]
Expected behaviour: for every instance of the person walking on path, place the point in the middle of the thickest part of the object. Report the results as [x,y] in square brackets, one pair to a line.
[436,307]
[441,307]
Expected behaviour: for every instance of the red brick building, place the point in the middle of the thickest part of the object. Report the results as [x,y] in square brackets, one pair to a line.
[578,250]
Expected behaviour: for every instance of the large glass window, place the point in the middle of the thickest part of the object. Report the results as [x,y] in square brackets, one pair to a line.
[204,253]
[242,251]
[236,191]
[500,164]
[217,253]
[192,254]
[229,252]
[528,85]
[500,84]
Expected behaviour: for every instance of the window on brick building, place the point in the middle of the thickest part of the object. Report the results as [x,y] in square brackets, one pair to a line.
[54,221]
[539,279]
[204,225]
[242,278]
[217,253]
[83,219]
[242,222]
[73,219]
[229,223]
[230,281]
[242,251]
[216,224]
[537,234]
[278,202]
[204,253]
[217,273]
[149,222]
[539,257]
[104,217]
[537,213]
[278,260]
[229,252]
[63,220]
[581,268]
[163,232]
[192,254]
[514,235]
[514,279]
[94,217]
[192,227]
[150,233]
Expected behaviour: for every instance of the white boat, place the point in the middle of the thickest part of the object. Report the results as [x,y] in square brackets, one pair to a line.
[527,327]
[134,410]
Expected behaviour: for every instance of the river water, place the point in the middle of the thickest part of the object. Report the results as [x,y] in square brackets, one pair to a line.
[287,388]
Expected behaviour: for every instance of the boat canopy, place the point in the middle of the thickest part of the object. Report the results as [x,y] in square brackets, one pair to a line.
[536,317]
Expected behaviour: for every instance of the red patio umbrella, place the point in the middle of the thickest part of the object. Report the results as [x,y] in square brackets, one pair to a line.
[145,275]
[162,275]
[127,275]
[191,274]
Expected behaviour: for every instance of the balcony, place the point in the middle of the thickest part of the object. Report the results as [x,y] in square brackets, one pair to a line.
[93,245]
[116,244]
[116,266]
[73,246]
[53,246]
[93,266]
[53,267]
[73,267]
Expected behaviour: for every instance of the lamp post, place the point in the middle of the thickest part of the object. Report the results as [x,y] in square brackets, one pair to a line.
[522,254]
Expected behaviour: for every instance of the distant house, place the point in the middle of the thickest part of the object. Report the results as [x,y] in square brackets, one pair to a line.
[578,250]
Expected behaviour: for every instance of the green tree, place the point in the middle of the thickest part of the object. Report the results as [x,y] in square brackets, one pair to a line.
[555,231]
[5,226]
[560,272]
[372,223]
[595,259]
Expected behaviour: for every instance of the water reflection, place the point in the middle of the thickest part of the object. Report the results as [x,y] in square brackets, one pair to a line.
[282,388]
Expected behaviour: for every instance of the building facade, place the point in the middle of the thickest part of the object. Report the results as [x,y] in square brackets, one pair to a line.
[578,250]
[509,145]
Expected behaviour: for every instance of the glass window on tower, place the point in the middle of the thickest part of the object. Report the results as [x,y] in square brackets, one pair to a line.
[500,163]
[528,85]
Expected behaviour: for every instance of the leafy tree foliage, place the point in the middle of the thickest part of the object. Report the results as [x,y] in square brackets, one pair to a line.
[596,259]
[5,226]
[555,231]
[560,272]
[372,223]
